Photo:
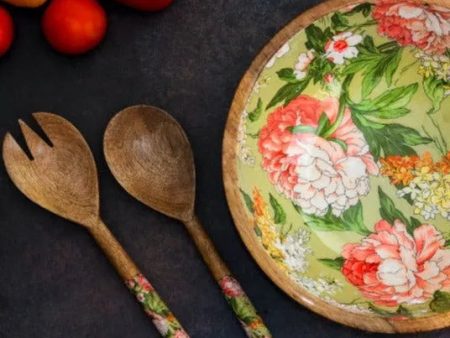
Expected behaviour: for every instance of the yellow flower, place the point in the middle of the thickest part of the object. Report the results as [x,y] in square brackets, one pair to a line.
[263,220]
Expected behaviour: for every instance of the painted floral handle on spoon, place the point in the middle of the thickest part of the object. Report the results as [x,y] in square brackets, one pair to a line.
[165,322]
[243,308]
[232,290]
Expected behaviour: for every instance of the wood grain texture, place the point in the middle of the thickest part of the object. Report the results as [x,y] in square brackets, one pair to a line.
[242,220]
[62,178]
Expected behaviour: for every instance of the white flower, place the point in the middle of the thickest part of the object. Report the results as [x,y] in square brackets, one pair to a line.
[304,60]
[318,287]
[161,324]
[434,65]
[244,151]
[296,250]
[281,52]
[342,47]
[140,297]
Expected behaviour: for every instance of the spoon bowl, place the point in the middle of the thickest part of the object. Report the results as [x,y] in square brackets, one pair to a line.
[149,154]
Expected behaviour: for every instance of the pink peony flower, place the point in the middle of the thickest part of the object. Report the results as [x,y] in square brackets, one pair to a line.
[316,173]
[413,23]
[231,287]
[342,47]
[130,284]
[180,334]
[144,283]
[391,267]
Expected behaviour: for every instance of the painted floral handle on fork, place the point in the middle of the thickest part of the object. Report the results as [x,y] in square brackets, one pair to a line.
[165,322]
[232,290]
[163,319]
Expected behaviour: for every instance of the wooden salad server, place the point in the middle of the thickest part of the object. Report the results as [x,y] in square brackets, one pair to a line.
[62,178]
[151,157]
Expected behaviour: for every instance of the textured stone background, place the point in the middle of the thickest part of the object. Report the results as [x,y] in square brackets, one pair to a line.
[54,282]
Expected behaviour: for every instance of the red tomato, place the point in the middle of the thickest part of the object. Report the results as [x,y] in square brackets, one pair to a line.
[6,31]
[147,5]
[74,26]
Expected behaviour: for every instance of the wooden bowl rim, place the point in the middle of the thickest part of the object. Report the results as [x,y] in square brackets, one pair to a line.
[242,220]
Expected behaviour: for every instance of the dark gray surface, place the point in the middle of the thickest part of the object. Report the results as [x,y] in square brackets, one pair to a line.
[54,282]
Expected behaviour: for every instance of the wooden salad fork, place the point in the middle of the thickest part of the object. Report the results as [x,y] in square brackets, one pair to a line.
[151,157]
[62,178]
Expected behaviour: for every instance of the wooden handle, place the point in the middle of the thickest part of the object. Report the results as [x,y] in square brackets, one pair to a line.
[163,319]
[233,292]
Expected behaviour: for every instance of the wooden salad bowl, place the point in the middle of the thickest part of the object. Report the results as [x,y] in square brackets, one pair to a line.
[337,166]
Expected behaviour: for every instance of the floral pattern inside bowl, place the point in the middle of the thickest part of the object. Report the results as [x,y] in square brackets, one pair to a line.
[344,158]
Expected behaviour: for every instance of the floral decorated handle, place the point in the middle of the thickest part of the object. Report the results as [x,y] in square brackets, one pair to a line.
[165,322]
[243,308]
[235,296]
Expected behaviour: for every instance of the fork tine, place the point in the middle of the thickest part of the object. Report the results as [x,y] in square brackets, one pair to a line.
[35,143]
[51,125]
[12,152]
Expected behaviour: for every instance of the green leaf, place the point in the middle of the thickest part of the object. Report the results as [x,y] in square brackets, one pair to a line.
[324,124]
[380,311]
[374,65]
[388,211]
[279,214]
[256,113]
[248,201]
[447,243]
[254,136]
[288,92]
[389,105]
[316,38]
[303,129]
[244,310]
[389,114]
[371,79]
[329,222]
[434,88]
[353,218]
[368,45]
[335,264]
[258,231]
[401,310]
[154,303]
[362,62]
[396,98]
[287,74]
[392,65]
[285,230]
[339,22]
[409,135]
[364,8]
[319,67]
[440,302]
[389,139]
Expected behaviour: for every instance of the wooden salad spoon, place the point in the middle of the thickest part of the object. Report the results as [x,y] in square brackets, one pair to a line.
[62,178]
[151,157]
